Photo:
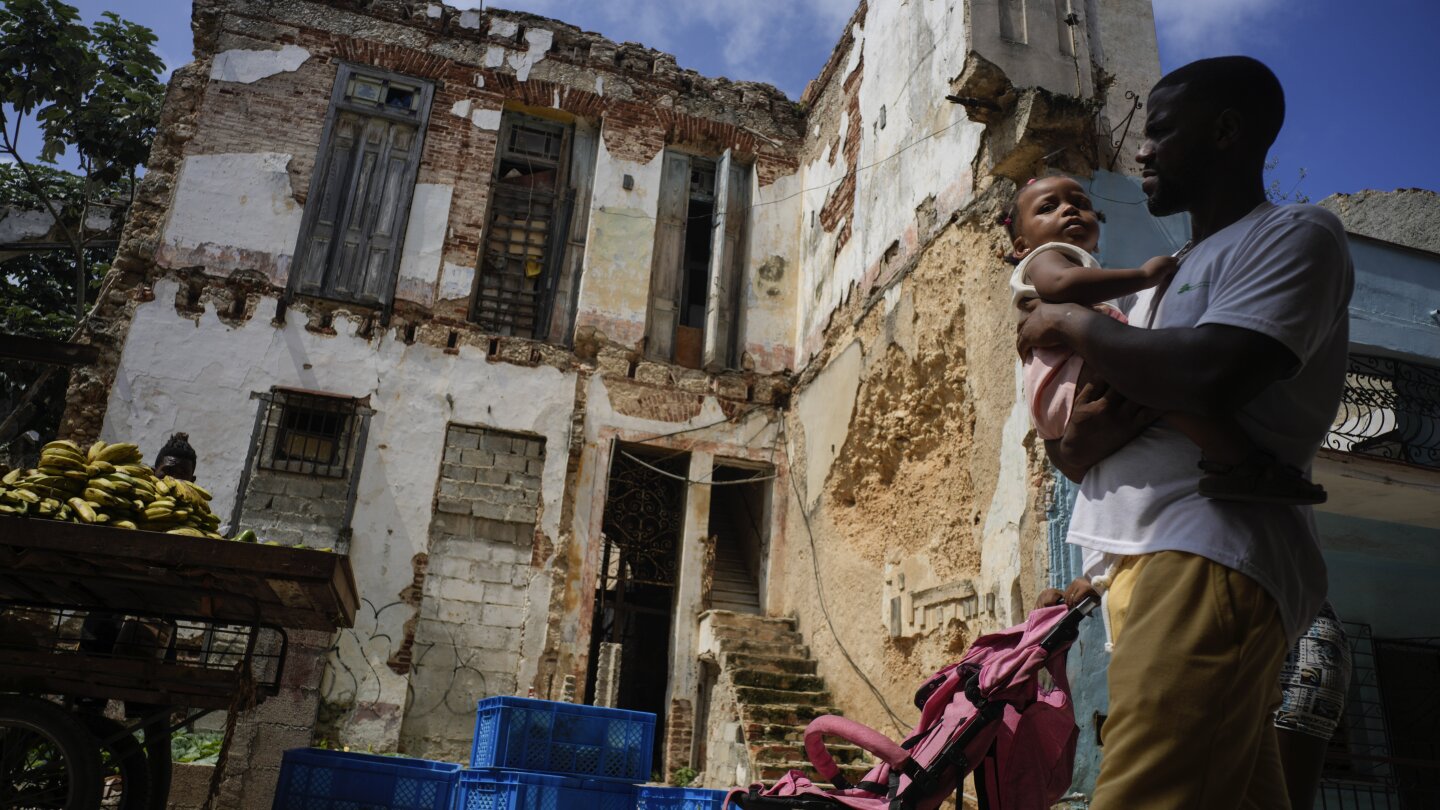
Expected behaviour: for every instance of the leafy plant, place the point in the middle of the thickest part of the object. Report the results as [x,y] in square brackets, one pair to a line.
[93,91]
[196,747]
[683,777]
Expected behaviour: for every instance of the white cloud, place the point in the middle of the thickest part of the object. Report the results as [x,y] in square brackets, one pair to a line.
[752,38]
[1192,29]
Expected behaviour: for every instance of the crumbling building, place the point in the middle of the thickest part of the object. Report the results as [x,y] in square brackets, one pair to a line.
[616,382]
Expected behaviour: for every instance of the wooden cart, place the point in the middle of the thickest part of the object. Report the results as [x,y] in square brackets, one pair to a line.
[161,622]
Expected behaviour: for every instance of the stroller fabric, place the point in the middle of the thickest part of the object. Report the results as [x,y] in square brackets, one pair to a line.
[988,713]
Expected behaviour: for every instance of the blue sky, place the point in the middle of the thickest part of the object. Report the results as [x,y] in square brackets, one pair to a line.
[1362,111]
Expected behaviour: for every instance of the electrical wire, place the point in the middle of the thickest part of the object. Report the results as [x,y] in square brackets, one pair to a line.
[820,589]
[689,480]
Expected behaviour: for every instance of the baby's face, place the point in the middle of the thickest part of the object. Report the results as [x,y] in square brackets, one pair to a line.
[1056,209]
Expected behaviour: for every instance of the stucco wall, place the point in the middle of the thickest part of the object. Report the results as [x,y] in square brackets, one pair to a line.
[196,374]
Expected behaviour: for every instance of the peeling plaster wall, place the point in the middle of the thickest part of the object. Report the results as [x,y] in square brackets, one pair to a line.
[195,375]
[899,59]
[615,290]
[229,208]
[924,482]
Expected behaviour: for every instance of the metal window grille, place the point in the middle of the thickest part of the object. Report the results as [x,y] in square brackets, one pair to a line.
[308,433]
[1390,409]
[1386,750]
[529,213]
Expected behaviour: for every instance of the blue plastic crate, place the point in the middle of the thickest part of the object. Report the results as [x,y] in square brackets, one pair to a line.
[648,797]
[494,789]
[316,779]
[563,738]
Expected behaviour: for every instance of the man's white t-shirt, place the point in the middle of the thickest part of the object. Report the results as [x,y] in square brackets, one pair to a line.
[1285,272]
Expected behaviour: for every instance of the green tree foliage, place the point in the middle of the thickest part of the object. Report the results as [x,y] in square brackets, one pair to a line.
[95,93]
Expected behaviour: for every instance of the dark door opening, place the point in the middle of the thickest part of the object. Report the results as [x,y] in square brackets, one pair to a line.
[635,594]
[1408,673]
[739,521]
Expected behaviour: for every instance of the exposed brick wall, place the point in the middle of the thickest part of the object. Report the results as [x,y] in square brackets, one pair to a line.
[472,614]
[839,209]
[280,723]
[679,735]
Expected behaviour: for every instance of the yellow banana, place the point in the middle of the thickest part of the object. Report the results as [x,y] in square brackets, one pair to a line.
[87,515]
[120,453]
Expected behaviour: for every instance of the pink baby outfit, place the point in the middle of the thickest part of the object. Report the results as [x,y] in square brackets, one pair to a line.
[1051,374]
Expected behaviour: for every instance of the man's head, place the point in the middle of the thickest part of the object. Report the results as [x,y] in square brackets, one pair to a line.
[1209,122]
[1051,209]
[177,458]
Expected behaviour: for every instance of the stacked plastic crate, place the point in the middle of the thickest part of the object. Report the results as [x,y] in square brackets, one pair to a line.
[532,753]
[317,779]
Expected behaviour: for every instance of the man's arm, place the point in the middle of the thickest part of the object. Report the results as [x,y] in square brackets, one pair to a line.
[1101,422]
[1210,370]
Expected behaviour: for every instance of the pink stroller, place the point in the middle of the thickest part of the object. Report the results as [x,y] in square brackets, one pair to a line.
[986,714]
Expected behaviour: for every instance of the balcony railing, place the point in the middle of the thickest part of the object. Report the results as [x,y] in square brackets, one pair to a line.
[1390,409]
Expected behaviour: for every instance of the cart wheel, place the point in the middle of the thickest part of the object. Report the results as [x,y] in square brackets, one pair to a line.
[48,760]
[125,774]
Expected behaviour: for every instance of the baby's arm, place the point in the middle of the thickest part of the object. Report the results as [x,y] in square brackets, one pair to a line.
[1060,280]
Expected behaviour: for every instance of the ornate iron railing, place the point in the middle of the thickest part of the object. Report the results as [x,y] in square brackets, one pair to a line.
[1390,409]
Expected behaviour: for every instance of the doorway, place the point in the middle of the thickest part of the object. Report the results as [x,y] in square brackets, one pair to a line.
[635,592]
[739,522]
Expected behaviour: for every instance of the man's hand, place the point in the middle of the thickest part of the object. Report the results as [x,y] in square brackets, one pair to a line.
[1101,422]
[1043,325]
[1078,591]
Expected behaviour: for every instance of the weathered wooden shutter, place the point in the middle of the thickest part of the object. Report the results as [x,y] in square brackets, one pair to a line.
[727,256]
[383,181]
[333,172]
[580,181]
[665,267]
[350,237]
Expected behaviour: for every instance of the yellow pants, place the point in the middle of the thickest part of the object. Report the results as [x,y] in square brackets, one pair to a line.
[1194,680]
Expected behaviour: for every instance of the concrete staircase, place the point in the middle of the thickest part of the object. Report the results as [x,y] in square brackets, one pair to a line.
[734,587]
[771,678]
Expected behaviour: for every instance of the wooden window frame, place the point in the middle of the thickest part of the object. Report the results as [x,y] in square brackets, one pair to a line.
[729,256]
[339,102]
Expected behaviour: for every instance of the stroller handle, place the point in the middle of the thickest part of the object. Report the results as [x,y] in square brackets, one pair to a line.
[1069,627]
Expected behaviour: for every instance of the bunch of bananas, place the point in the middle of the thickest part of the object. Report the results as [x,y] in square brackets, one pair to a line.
[107,484]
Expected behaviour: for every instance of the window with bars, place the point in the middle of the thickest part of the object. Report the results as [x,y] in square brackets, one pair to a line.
[309,433]
[360,193]
[535,229]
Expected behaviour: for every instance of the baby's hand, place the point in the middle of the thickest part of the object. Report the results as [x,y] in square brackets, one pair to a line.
[1160,267]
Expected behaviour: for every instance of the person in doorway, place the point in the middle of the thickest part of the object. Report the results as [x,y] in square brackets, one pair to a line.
[1204,596]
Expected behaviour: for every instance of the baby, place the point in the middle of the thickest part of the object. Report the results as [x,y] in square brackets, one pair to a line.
[1054,228]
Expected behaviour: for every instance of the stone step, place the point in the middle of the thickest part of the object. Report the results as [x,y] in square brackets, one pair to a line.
[757,733]
[740,590]
[765,649]
[722,618]
[756,695]
[738,607]
[783,714]
[786,681]
[843,753]
[765,663]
